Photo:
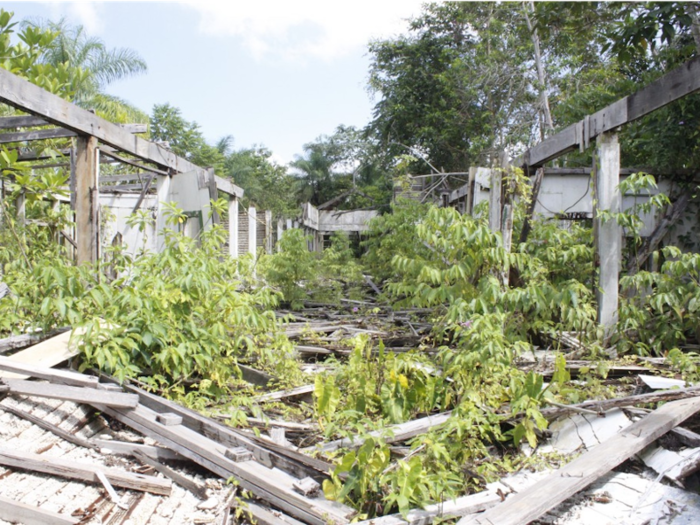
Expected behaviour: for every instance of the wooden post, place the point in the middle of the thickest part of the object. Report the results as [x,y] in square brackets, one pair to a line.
[252,231]
[608,235]
[495,200]
[86,199]
[233,227]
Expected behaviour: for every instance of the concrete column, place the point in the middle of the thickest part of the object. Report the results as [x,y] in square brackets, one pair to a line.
[233,227]
[86,199]
[268,231]
[608,235]
[252,231]
[495,200]
[163,191]
[280,229]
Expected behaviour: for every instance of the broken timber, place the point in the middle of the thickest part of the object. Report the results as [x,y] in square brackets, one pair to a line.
[16,512]
[83,471]
[390,434]
[72,393]
[530,504]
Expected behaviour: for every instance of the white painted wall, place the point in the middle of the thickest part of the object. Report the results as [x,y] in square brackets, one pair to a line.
[116,209]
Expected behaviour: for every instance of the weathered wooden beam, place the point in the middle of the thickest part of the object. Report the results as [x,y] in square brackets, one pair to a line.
[64,377]
[86,198]
[39,134]
[269,455]
[260,480]
[392,434]
[106,151]
[284,394]
[458,507]
[125,448]
[16,512]
[673,86]
[69,468]
[532,503]
[603,405]
[194,487]
[72,393]
[32,99]
[22,121]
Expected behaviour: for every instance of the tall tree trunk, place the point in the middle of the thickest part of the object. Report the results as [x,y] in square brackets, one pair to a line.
[693,9]
[541,78]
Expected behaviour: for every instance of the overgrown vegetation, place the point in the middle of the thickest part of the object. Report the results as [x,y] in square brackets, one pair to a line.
[180,321]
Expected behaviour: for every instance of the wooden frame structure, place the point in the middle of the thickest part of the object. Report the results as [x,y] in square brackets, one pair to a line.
[95,139]
[599,127]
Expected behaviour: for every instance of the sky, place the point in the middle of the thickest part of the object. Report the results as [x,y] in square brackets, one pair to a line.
[269,73]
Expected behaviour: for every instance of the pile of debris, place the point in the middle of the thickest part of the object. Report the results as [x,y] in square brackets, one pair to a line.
[83,449]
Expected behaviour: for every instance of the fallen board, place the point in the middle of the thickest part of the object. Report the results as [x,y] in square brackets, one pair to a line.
[48,353]
[530,504]
[391,434]
[16,512]
[65,377]
[83,471]
[72,393]
[251,475]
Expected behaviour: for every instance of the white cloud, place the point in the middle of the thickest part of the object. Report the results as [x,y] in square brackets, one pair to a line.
[83,12]
[298,30]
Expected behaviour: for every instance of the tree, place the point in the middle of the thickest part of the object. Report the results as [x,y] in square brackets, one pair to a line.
[267,184]
[457,87]
[186,139]
[102,66]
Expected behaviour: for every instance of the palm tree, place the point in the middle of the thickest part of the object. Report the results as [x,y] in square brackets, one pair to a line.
[102,66]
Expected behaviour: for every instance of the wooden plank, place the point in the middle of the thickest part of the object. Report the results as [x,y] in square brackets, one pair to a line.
[266,452]
[195,488]
[69,468]
[458,507]
[140,177]
[86,199]
[392,434]
[251,475]
[532,503]
[16,512]
[284,394]
[290,461]
[126,448]
[72,393]
[106,151]
[48,353]
[603,405]
[64,377]
[22,121]
[263,516]
[39,134]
